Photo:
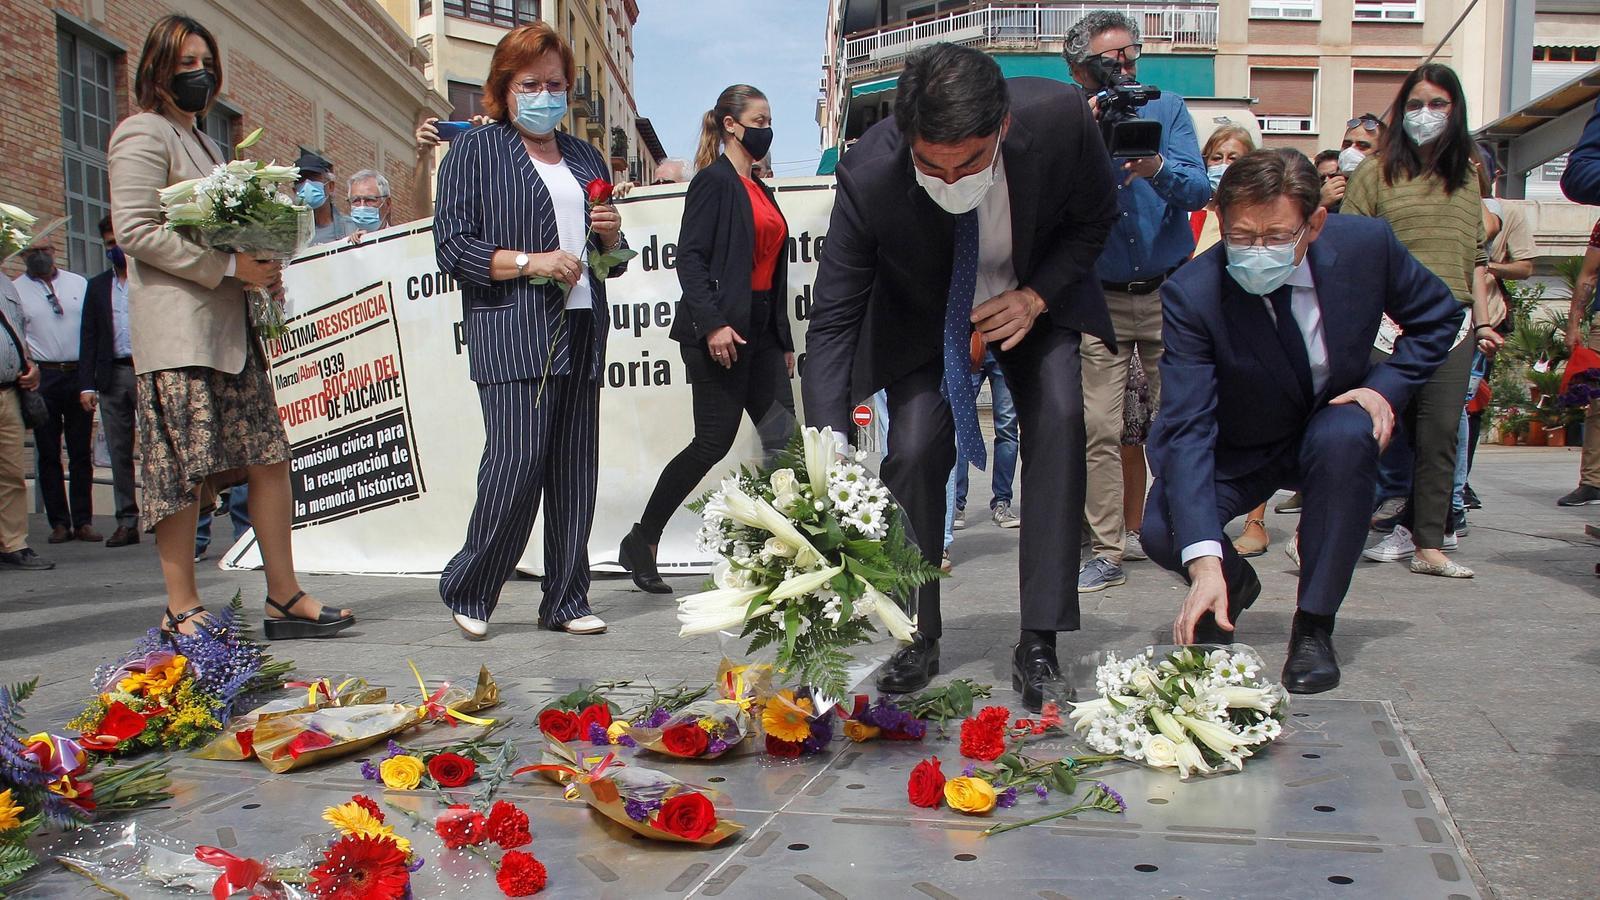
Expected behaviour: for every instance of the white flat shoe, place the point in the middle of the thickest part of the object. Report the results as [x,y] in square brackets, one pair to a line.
[1451,569]
[472,629]
[1292,549]
[583,625]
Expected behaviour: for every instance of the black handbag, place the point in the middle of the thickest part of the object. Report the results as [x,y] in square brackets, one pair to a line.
[34,411]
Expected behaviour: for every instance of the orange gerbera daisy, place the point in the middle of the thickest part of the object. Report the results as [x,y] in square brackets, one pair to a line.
[787,717]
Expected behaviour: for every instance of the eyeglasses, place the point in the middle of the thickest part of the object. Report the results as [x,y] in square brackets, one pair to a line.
[1130,53]
[1437,104]
[554,86]
[367,200]
[1278,240]
[55,304]
[1365,120]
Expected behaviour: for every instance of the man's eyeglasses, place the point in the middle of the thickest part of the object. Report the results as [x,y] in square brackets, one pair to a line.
[533,87]
[1130,53]
[1437,104]
[367,200]
[1367,121]
[1278,240]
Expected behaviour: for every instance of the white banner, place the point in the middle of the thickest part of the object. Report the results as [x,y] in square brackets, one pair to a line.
[371,381]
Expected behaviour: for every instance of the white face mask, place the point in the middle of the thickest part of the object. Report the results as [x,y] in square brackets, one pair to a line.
[963,196]
[1423,125]
[1349,158]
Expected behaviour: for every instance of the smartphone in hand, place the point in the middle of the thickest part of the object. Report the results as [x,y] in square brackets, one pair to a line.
[449,131]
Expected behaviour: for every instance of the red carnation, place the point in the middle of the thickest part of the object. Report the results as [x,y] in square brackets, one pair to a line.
[461,825]
[598,191]
[508,826]
[925,787]
[782,749]
[688,815]
[559,724]
[368,804]
[983,740]
[994,715]
[598,714]
[451,770]
[520,875]
[688,740]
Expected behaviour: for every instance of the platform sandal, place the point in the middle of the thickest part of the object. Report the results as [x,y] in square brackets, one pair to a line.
[292,627]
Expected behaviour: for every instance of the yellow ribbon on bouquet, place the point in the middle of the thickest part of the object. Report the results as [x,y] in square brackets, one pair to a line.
[431,707]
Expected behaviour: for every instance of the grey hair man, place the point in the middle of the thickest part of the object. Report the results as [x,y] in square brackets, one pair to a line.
[368,191]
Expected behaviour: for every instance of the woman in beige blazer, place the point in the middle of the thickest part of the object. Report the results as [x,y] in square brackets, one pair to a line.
[207,417]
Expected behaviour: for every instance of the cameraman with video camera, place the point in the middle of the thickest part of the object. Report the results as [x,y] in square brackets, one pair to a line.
[1151,137]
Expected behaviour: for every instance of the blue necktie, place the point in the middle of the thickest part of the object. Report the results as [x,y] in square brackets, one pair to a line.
[958,387]
[1294,343]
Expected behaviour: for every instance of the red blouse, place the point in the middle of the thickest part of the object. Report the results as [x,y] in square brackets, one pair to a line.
[770,235]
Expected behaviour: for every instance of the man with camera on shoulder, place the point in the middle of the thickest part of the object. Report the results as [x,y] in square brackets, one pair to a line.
[1160,180]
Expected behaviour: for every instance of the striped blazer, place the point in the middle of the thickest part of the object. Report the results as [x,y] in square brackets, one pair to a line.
[490,197]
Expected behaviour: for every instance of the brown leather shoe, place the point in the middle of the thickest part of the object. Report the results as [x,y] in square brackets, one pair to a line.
[87,533]
[60,534]
[123,536]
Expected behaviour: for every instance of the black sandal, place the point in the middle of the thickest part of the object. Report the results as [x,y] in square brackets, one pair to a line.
[171,623]
[292,627]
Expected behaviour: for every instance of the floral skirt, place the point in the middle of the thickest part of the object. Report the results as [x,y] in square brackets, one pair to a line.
[200,426]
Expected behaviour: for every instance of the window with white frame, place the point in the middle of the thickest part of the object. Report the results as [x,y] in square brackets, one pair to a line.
[1286,9]
[1286,100]
[1389,10]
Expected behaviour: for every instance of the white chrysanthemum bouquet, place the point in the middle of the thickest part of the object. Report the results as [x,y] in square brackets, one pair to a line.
[1192,710]
[239,208]
[812,553]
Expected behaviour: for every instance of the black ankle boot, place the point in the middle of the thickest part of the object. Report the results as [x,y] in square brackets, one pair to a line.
[635,556]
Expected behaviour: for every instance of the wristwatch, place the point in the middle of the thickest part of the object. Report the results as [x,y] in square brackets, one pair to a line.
[522,263]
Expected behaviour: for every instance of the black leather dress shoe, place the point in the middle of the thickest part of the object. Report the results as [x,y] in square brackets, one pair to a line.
[1312,667]
[635,556]
[1033,668]
[911,667]
[1207,631]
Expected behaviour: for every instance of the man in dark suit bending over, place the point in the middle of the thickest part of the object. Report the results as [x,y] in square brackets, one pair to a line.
[1267,384]
[981,204]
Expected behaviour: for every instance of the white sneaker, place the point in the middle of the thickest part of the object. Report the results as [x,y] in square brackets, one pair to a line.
[1396,546]
[1452,540]
[1133,546]
[1292,549]
[472,629]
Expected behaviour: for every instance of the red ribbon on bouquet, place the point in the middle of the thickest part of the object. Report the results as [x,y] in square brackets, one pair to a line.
[237,874]
[592,775]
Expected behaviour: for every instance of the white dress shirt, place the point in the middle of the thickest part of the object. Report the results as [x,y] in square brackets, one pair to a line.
[122,334]
[996,273]
[1308,315]
[566,195]
[52,337]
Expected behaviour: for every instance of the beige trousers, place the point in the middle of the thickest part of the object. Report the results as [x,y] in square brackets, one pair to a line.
[13,490]
[1590,472]
[1136,319]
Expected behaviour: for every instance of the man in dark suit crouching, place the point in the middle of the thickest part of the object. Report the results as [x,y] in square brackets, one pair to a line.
[1267,383]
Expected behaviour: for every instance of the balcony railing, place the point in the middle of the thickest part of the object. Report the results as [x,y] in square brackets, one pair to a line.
[1181,25]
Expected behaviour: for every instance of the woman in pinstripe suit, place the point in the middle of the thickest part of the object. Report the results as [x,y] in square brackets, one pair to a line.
[510,213]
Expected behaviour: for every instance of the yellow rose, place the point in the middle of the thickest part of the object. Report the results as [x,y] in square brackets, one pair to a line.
[860,731]
[402,773]
[969,795]
[616,731]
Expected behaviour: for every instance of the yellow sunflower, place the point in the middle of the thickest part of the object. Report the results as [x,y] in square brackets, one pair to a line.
[354,821]
[10,812]
[787,718]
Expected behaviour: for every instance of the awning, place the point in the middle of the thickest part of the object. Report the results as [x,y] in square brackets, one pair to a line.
[1544,128]
[830,158]
[874,87]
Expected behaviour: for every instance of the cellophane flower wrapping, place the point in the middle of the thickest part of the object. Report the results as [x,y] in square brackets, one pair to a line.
[722,725]
[639,799]
[127,859]
[1197,709]
[813,554]
[236,742]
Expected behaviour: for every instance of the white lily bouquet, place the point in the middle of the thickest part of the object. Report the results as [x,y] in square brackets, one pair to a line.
[239,208]
[812,553]
[15,230]
[1192,710]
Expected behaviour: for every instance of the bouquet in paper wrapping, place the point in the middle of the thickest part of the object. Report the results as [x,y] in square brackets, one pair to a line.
[239,208]
[238,741]
[649,803]
[812,552]
[1190,709]
[287,741]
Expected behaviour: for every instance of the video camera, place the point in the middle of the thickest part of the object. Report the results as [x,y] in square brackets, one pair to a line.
[1126,135]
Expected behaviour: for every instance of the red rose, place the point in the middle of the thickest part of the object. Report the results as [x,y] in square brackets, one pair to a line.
[598,714]
[451,770]
[994,715]
[926,785]
[461,825]
[983,740]
[598,191]
[120,723]
[368,804]
[508,826]
[520,875]
[685,740]
[782,749]
[688,815]
[559,724]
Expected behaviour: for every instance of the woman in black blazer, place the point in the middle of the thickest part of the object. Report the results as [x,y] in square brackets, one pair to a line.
[732,321]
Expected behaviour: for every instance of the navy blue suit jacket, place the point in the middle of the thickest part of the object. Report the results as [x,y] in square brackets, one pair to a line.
[96,336]
[1230,402]
[490,197]
[1581,181]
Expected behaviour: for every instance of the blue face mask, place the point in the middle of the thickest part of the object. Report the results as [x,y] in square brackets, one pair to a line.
[365,218]
[1261,270]
[1215,174]
[540,113]
[313,194]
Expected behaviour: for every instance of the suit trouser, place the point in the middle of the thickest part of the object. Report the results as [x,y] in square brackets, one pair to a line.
[1136,319]
[1589,470]
[1334,467]
[117,405]
[68,419]
[1043,373]
[534,448]
[13,484]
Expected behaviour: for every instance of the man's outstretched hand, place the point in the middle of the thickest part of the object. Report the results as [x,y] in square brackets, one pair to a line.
[1208,593]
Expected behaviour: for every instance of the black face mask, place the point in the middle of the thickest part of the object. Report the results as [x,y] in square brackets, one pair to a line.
[757,141]
[192,90]
[117,258]
[40,265]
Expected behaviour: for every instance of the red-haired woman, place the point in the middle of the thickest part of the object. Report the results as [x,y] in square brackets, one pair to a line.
[510,224]
[207,417]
